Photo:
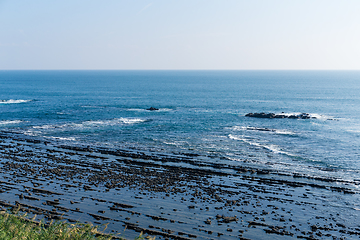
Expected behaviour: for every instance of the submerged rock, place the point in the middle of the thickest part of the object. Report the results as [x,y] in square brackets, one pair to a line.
[152,109]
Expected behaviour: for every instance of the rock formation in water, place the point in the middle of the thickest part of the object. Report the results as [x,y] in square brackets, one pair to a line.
[273,115]
[152,109]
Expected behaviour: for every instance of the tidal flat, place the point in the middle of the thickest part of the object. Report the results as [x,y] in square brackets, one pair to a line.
[173,196]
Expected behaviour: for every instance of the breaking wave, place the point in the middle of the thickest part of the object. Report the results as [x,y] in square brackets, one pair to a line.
[277,131]
[112,122]
[7,122]
[271,147]
[12,101]
[63,138]
[312,115]
[93,124]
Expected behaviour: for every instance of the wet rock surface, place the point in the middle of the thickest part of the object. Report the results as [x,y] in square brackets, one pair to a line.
[154,194]
[152,109]
[273,115]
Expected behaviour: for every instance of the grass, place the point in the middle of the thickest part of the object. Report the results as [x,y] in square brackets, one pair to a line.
[16,226]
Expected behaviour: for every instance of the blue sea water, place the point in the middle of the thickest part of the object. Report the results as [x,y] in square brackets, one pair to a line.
[200,112]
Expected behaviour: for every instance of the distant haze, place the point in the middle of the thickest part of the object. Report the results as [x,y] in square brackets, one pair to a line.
[167,34]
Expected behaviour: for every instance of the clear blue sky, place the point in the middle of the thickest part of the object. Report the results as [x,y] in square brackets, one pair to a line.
[181,34]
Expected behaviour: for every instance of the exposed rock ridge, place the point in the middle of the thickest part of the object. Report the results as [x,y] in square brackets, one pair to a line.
[273,115]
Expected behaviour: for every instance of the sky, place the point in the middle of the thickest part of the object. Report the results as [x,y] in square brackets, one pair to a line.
[181,34]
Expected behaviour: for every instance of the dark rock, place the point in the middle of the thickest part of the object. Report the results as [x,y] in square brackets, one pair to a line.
[273,115]
[230,219]
[152,109]
[261,115]
[252,223]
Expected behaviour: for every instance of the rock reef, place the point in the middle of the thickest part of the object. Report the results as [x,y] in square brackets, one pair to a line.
[282,115]
[170,196]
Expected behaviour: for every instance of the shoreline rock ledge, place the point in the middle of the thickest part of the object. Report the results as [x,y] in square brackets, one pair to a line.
[273,115]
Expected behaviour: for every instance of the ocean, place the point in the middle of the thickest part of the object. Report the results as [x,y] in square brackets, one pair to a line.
[200,113]
[85,146]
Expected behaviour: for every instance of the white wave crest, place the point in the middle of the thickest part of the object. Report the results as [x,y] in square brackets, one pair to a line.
[271,147]
[12,101]
[91,124]
[311,115]
[284,132]
[114,122]
[44,127]
[131,120]
[353,130]
[176,143]
[6,122]
[63,138]
[277,131]
[237,138]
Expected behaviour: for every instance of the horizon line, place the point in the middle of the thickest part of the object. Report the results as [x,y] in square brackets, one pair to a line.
[179,69]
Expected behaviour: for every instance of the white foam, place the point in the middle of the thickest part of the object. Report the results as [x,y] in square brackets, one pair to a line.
[320,117]
[271,147]
[12,101]
[44,127]
[63,138]
[237,138]
[237,128]
[92,124]
[165,109]
[112,122]
[171,143]
[353,130]
[277,131]
[312,115]
[131,120]
[31,133]
[6,122]
[284,132]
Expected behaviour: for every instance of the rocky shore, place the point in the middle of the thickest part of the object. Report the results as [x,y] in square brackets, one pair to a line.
[170,196]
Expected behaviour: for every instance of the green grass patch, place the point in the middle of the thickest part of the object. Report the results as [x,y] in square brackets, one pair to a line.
[14,225]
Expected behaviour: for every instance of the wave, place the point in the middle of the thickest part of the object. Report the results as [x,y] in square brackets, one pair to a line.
[353,131]
[311,115]
[277,131]
[92,124]
[271,147]
[6,122]
[63,138]
[112,122]
[176,143]
[12,101]
[45,127]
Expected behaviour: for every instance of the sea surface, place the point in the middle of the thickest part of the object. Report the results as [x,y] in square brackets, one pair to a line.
[201,114]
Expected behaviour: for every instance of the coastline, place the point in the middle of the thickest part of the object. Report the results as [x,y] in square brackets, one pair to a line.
[167,196]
